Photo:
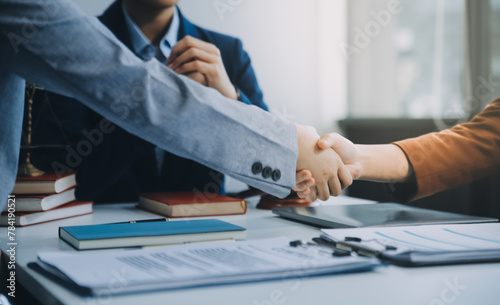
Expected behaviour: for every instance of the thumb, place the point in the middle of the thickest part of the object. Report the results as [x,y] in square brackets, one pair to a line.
[325,141]
[342,146]
[332,140]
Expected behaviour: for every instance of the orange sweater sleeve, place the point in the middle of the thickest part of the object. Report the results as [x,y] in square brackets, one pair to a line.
[446,159]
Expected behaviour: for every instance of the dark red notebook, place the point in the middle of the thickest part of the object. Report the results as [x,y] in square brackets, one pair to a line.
[191,204]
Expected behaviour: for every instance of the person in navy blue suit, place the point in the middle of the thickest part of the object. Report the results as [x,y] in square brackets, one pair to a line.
[115,166]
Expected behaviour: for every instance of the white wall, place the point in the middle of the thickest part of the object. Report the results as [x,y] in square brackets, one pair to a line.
[294,46]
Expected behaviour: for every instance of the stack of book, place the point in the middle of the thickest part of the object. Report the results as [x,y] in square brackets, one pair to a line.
[43,198]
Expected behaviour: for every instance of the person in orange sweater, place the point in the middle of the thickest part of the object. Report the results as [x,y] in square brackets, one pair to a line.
[424,165]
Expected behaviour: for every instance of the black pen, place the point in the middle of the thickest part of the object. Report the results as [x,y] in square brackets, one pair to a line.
[327,242]
[358,248]
[143,220]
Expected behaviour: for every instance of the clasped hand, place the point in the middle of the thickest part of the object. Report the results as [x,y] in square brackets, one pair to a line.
[202,62]
[325,165]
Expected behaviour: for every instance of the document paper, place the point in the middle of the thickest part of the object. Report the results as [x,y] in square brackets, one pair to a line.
[433,238]
[196,264]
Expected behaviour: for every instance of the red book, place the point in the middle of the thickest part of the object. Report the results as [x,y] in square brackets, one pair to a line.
[35,203]
[48,183]
[75,208]
[191,204]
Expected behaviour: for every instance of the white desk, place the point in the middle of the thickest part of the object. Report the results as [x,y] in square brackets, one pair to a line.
[385,285]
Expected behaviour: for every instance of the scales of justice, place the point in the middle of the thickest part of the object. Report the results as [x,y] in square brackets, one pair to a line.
[26,168]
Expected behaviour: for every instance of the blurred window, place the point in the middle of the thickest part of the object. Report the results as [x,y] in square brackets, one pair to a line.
[406,58]
[495,41]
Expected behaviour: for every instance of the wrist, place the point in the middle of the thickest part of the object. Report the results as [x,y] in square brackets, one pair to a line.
[232,93]
[361,161]
[383,163]
[307,138]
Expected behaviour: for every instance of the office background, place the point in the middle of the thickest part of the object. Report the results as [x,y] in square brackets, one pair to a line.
[374,70]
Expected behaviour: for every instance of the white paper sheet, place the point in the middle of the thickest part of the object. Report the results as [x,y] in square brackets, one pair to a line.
[197,264]
[426,238]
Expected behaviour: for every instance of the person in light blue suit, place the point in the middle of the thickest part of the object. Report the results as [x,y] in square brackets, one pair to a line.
[122,165]
[54,45]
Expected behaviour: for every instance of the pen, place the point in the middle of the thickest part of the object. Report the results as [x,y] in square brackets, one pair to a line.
[143,220]
[358,248]
[320,242]
[332,245]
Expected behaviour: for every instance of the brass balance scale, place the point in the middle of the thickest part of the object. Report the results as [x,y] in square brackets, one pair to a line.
[26,168]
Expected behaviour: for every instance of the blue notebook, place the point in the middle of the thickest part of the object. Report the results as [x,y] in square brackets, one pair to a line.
[149,233]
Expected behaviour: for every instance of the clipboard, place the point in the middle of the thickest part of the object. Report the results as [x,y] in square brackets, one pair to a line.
[415,246]
[420,259]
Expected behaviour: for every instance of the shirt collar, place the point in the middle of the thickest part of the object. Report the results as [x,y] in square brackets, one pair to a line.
[143,47]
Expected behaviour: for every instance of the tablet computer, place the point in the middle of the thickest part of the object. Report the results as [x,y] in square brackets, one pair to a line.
[370,215]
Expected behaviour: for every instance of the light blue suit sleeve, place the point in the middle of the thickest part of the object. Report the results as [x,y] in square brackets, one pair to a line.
[54,45]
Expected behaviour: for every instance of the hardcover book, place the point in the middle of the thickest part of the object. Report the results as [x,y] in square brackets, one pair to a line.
[149,233]
[75,208]
[35,203]
[48,183]
[191,204]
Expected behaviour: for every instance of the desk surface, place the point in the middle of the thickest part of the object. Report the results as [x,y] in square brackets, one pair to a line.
[462,284]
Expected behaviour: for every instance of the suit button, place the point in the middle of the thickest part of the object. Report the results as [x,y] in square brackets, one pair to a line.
[276,175]
[257,168]
[267,172]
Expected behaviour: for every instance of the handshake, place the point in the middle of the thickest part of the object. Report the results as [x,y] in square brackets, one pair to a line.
[325,165]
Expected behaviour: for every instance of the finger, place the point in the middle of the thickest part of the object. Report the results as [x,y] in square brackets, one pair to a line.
[182,46]
[304,193]
[304,185]
[302,176]
[335,141]
[197,77]
[335,186]
[190,42]
[194,66]
[190,55]
[328,140]
[345,176]
[323,191]
[312,196]
[342,146]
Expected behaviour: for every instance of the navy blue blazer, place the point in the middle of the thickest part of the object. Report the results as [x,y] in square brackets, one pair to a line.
[115,166]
